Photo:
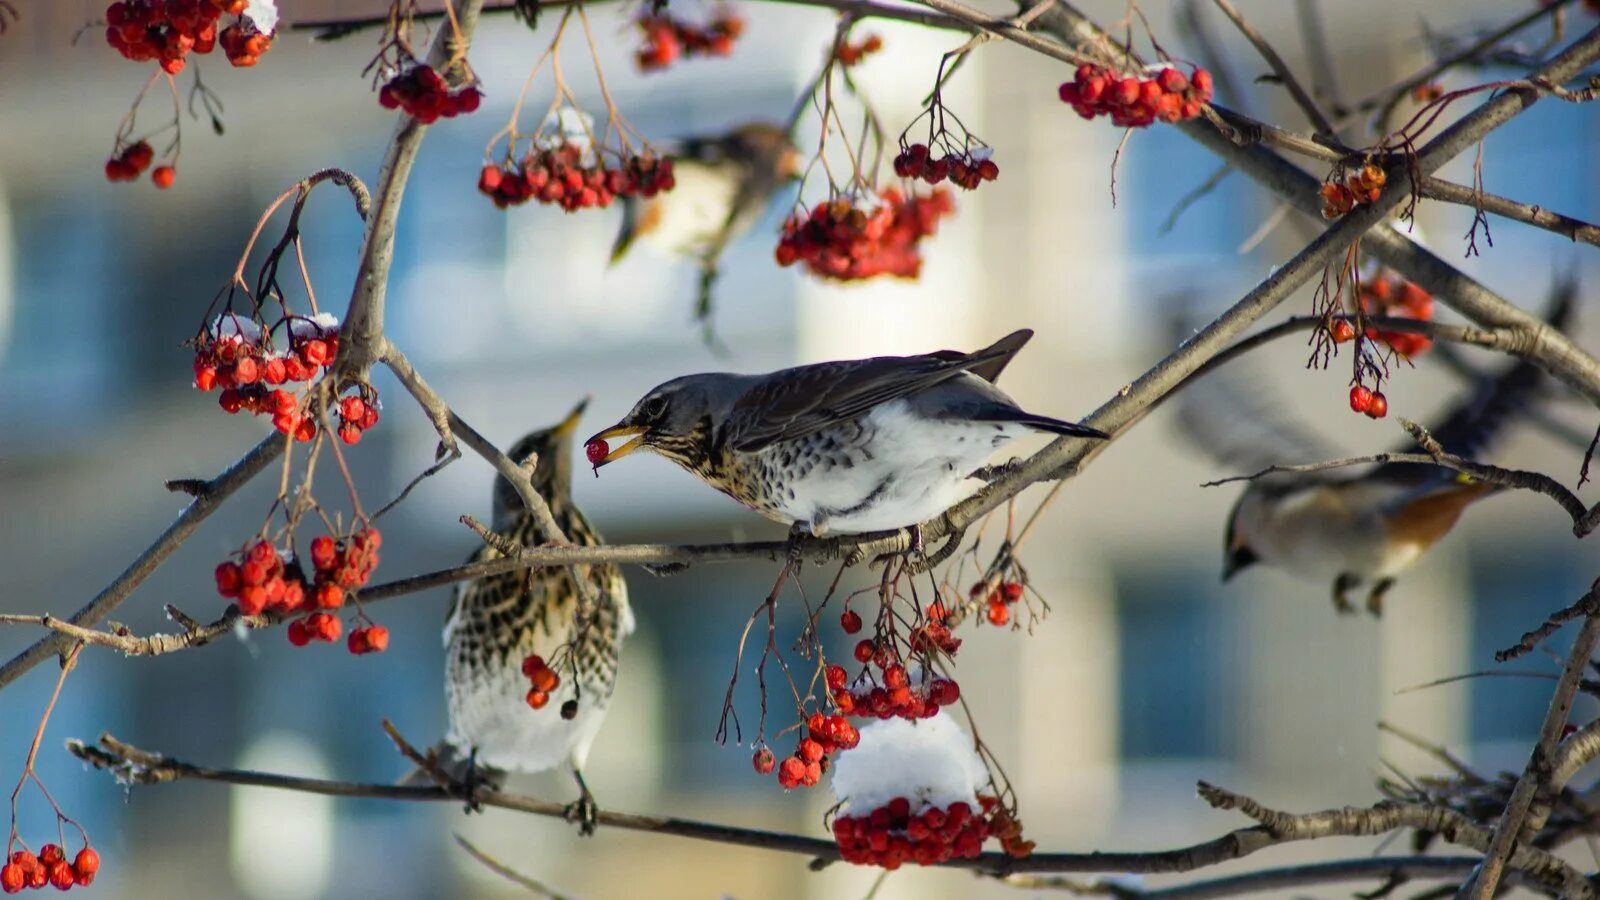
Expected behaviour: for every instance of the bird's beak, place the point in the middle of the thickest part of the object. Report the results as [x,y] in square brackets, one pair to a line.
[567,426]
[621,450]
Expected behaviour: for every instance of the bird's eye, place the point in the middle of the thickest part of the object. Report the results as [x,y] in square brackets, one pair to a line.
[655,408]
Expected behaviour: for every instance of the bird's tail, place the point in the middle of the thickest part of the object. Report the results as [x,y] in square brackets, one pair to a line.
[1043,423]
[627,233]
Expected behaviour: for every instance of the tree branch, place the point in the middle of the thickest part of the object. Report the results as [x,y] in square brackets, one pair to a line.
[1302,97]
[1393,869]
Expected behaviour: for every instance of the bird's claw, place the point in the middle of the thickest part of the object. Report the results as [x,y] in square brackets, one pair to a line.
[1375,599]
[584,812]
[1341,590]
[995,473]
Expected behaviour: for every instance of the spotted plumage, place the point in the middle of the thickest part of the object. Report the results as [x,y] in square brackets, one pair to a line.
[850,446]
[495,622]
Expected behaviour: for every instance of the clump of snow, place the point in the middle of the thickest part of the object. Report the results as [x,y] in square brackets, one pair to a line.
[572,126]
[318,326]
[930,762]
[229,324]
[264,13]
[981,153]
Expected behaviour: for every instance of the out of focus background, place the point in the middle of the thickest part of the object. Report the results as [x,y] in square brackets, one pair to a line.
[1147,675]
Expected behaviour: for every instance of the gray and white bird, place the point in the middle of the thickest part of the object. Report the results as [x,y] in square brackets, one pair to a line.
[724,184]
[1350,530]
[850,446]
[497,621]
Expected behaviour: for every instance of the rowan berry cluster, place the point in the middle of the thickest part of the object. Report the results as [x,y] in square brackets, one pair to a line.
[340,566]
[235,354]
[849,54]
[356,415]
[998,600]
[167,31]
[846,242]
[1339,197]
[934,634]
[667,38]
[890,836]
[261,580]
[569,177]
[965,168]
[419,90]
[50,867]
[319,626]
[1368,401]
[542,681]
[1168,96]
[826,736]
[1391,295]
[892,693]
[130,161]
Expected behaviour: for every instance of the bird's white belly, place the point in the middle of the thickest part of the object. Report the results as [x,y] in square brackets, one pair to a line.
[490,714]
[917,468]
[693,214]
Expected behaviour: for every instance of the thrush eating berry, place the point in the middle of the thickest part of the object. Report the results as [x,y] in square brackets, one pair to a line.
[1362,529]
[498,621]
[850,446]
[723,185]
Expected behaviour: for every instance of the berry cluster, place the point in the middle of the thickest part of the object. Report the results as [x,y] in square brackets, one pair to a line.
[340,565]
[423,94]
[561,176]
[965,169]
[849,54]
[319,626]
[667,38]
[825,736]
[1364,186]
[25,870]
[130,161]
[1365,400]
[842,241]
[1391,295]
[998,600]
[1169,96]
[168,30]
[934,634]
[890,836]
[542,680]
[235,355]
[892,694]
[368,639]
[262,581]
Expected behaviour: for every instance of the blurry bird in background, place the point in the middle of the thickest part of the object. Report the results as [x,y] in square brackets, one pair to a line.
[849,446]
[497,621]
[1359,529]
[724,184]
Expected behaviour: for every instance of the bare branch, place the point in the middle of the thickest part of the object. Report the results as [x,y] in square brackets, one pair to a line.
[1302,97]
[1390,868]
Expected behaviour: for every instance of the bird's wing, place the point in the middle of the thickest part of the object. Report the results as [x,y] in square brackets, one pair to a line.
[1234,418]
[800,401]
[1481,417]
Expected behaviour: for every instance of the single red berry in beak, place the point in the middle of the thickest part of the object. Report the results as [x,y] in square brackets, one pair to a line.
[596,451]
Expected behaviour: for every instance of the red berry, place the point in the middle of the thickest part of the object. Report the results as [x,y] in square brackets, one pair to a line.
[763,761]
[595,451]
[11,878]
[299,635]
[864,651]
[377,638]
[229,579]
[1343,331]
[999,614]
[1360,399]
[810,750]
[791,772]
[163,176]
[836,677]
[86,863]
[324,627]
[850,622]
[537,699]
[1012,591]
[1379,406]
[532,664]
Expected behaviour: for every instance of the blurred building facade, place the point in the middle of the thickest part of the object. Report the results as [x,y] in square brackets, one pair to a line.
[1146,675]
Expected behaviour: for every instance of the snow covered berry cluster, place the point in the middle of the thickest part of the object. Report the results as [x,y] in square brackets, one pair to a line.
[542,680]
[844,241]
[1339,197]
[167,31]
[915,793]
[423,93]
[262,580]
[568,176]
[894,691]
[1168,96]
[1390,295]
[965,168]
[998,600]
[666,38]
[50,867]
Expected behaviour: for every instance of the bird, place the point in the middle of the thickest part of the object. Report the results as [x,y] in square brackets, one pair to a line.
[496,621]
[724,184]
[846,447]
[1359,529]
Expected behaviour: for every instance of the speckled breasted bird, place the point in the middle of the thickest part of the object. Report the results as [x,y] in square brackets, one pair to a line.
[724,184]
[497,621]
[1361,529]
[851,446]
